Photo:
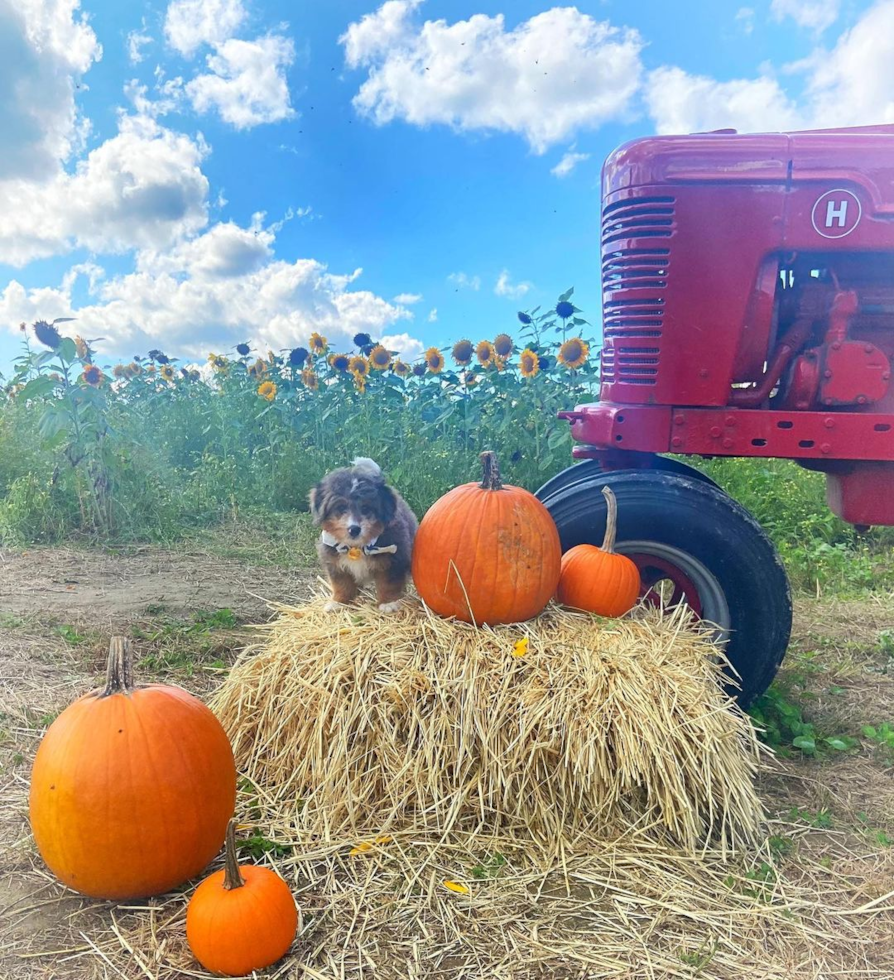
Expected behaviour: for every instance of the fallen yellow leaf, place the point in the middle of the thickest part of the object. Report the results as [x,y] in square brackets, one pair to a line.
[360,849]
[455,886]
[520,648]
[384,839]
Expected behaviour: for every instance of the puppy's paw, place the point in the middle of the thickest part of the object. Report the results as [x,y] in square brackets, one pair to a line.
[390,607]
[333,606]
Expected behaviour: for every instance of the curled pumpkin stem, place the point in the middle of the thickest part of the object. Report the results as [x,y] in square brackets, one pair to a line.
[119,672]
[611,521]
[232,875]
[490,471]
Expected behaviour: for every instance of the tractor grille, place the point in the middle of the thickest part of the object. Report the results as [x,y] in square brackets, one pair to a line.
[635,268]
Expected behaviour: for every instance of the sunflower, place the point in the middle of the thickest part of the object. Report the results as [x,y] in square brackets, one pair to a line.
[119,371]
[157,355]
[243,350]
[400,369]
[434,360]
[419,370]
[546,363]
[318,344]
[574,353]
[503,344]
[167,372]
[359,366]
[47,334]
[298,356]
[485,353]
[462,352]
[360,383]
[379,358]
[267,390]
[339,362]
[194,375]
[310,379]
[564,309]
[82,349]
[133,369]
[501,363]
[524,318]
[362,340]
[93,376]
[258,369]
[471,380]
[150,369]
[529,363]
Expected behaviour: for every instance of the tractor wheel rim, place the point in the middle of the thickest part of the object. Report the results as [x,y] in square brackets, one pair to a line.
[688,580]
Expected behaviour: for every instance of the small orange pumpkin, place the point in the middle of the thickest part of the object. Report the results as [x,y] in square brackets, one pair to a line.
[242,918]
[487,553]
[132,787]
[597,579]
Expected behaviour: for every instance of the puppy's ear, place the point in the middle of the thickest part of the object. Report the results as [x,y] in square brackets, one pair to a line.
[315,499]
[387,503]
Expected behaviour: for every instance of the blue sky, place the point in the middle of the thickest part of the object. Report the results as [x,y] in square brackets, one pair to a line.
[193,173]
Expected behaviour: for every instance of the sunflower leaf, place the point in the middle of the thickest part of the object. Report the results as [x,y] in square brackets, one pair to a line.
[566,295]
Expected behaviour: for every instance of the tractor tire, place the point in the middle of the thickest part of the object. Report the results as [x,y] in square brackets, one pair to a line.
[695,542]
[588,467]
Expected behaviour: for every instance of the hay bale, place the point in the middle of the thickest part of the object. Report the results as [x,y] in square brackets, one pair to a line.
[359,724]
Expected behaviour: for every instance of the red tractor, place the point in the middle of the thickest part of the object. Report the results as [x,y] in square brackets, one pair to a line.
[748,310]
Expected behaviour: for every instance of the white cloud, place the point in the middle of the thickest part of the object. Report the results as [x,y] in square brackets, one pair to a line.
[246,82]
[745,19]
[409,348]
[143,188]
[47,45]
[853,85]
[505,287]
[462,281]
[219,289]
[813,15]
[682,103]
[850,85]
[190,24]
[136,41]
[408,299]
[568,162]
[556,73]
[433,315]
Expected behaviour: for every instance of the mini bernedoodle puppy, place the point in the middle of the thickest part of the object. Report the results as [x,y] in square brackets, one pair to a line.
[366,537]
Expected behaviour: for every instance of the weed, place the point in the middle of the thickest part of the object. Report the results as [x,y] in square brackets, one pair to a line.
[821,818]
[782,726]
[489,867]
[258,845]
[698,959]
[73,636]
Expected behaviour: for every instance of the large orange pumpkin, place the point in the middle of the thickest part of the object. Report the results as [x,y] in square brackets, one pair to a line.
[132,787]
[598,579]
[242,918]
[487,553]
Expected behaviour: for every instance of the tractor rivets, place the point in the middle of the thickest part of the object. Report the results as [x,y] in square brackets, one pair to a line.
[703,373]
[676,441]
[727,443]
[729,420]
[836,345]
[827,373]
[715,432]
[869,348]
[825,448]
[861,399]
[679,420]
[829,423]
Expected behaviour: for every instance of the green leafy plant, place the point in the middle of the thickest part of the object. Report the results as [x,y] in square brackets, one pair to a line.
[781,724]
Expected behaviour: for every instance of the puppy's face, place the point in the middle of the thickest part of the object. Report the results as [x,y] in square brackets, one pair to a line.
[353,507]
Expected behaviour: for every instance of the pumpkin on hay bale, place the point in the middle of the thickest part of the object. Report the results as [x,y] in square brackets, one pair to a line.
[561,728]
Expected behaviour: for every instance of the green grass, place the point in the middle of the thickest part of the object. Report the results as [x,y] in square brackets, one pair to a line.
[205,641]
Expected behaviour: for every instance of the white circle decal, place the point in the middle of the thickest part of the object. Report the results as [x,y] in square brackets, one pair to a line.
[836,213]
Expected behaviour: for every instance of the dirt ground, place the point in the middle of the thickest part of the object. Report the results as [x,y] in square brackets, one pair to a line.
[188,615]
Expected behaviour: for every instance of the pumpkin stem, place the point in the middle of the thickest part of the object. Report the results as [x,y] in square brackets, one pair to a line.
[232,875]
[611,521]
[490,472]
[119,672]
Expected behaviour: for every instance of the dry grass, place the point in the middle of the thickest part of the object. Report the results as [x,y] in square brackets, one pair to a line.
[357,724]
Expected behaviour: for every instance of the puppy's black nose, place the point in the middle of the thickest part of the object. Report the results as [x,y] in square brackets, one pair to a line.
[354,530]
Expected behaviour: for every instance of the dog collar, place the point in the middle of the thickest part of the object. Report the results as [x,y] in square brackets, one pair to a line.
[356,551]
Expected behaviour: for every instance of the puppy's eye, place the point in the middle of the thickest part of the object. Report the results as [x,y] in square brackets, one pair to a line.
[339,510]
[367,512]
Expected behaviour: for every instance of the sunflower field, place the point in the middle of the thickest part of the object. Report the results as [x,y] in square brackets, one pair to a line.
[152,447]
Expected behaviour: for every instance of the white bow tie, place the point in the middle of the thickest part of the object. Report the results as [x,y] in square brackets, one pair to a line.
[356,551]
